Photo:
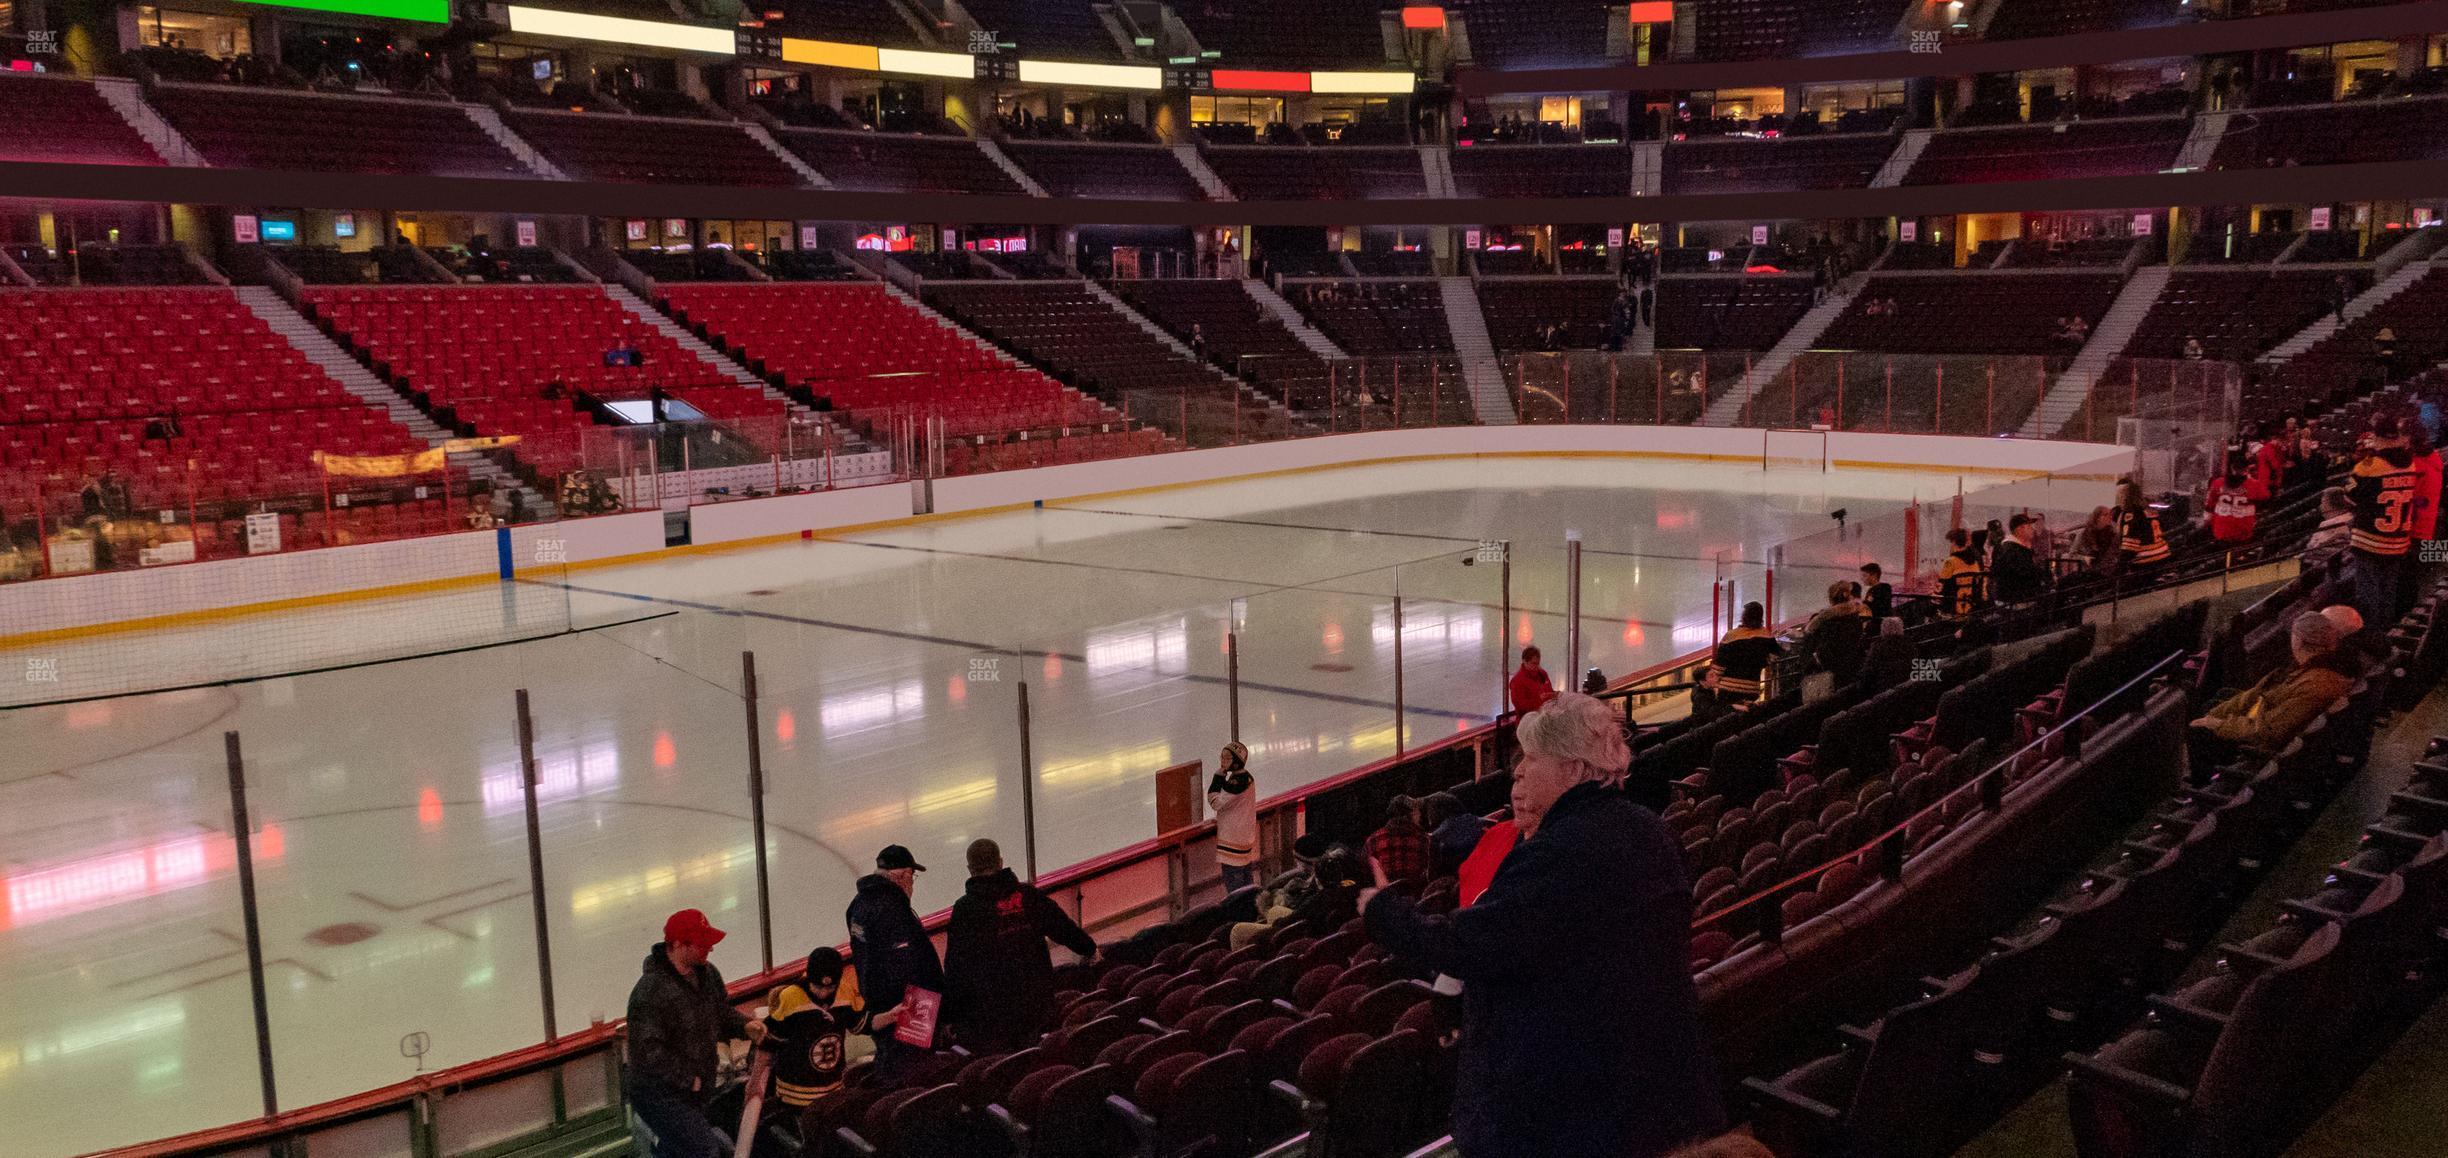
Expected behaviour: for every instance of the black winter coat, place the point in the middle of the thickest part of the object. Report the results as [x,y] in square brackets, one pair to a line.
[996,963]
[1581,1034]
[674,1022]
[889,945]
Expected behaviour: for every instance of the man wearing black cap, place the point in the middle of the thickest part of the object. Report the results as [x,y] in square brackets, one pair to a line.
[809,1023]
[892,953]
[678,1011]
[1000,975]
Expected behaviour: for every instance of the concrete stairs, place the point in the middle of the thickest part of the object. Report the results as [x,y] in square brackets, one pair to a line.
[1251,396]
[491,123]
[2363,303]
[1436,164]
[1480,370]
[1728,410]
[2066,395]
[1290,316]
[1900,162]
[1648,168]
[128,99]
[636,304]
[1003,161]
[352,375]
[806,171]
[2202,141]
[1207,179]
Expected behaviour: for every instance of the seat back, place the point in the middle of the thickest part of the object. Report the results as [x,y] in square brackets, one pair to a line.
[2253,1082]
[1380,1107]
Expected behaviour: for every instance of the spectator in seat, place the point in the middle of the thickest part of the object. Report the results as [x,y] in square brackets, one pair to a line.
[1453,831]
[162,427]
[894,955]
[105,498]
[678,1012]
[1235,806]
[1582,1035]
[1530,687]
[1838,635]
[998,974]
[2336,530]
[2016,577]
[1738,669]
[2262,718]
[2097,542]
[1290,890]
[2193,349]
[1890,659]
[1400,849]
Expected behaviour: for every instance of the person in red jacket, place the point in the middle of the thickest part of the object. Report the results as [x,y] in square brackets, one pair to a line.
[2426,482]
[2234,503]
[1531,688]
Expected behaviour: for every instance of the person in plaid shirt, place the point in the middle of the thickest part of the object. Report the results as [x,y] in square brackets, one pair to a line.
[1400,849]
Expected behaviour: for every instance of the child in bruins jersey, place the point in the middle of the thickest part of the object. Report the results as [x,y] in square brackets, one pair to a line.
[808,1025]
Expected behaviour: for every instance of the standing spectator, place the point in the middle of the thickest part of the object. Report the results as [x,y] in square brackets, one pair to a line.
[2015,575]
[1837,636]
[2193,349]
[1738,668]
[678,1012]
[999,974]
[1236,817]
[2336,530]
[1453,831]
[1198,341]
[2382,487]
[2340,292]
[1648,305]
[2139,541]
[810,1023]
[1962,581]
[2097,542]
[2234,504]
[1530,688]
[893,954]
[1878,596]
[2419,444]
[2273,460]
[1400,849]
[1582,1034]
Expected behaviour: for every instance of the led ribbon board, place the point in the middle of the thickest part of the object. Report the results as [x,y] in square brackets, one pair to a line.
[623,30]
[426,11]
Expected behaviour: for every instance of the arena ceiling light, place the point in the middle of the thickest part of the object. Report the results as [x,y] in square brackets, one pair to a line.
[623,30]
[1091,75]
[1361,82]
[426,11]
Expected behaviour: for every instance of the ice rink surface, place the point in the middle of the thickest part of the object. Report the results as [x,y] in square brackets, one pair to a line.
[391,852]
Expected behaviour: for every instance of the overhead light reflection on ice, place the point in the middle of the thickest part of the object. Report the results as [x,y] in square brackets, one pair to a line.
[1158,648]
[857,711]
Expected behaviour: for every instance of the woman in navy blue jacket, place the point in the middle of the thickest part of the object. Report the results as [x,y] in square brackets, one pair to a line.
[1581,1032]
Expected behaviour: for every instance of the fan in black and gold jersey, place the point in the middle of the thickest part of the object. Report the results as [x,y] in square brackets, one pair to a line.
[808,1027]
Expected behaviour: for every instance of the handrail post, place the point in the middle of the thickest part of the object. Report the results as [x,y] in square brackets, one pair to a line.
[244,830]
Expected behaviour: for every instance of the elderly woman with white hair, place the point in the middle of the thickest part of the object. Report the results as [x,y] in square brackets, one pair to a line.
[1582,1032]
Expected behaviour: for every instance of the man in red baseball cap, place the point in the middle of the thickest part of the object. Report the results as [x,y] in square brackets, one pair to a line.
[678,1011]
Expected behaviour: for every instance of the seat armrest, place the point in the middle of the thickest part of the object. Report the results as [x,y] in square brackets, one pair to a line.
[2134,1082]
[1771,1094]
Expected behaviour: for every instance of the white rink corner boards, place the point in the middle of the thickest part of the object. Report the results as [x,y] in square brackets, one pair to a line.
[135,599]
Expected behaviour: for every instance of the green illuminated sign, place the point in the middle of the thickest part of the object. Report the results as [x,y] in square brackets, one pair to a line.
[429,11]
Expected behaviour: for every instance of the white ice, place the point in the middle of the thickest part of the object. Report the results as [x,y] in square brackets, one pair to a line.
[391,857]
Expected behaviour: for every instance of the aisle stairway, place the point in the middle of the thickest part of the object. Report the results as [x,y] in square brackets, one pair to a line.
[2072,388]
[1485,376]
[1284,312]
[1728,410]
[284,319]
[705,351]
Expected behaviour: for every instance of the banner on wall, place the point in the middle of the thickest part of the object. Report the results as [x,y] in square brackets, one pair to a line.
[245,229]
[636,229]
[1615,239]
[807,237]
[1759,235]
[2320,218]
[2142,225]
[526,234]
[403,465]
[1908,232]
[1470,239]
